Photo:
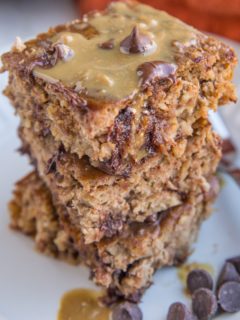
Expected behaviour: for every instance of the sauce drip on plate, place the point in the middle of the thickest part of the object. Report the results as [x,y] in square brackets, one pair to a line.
[79,304]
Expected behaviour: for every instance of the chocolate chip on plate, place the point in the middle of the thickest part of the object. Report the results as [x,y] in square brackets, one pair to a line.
[136,42]
[228,273]
[127,311]
[149,71]
[178,311]
[199,278]
[236,262]
[229,296]
[204,304]
[107,45]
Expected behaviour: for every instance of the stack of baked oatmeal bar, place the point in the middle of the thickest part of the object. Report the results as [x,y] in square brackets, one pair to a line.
[114,117]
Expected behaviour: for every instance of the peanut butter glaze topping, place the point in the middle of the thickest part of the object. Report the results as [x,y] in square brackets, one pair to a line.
[139,33]
[82,304]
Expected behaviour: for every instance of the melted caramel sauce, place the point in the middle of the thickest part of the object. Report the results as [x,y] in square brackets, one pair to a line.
[111,73]
[184,270]
[82,304]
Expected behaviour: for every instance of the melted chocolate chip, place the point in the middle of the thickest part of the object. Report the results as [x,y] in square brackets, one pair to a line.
[229,296]
[152,219]
[52,162]
[107,45]
[111,226]
[114,295]
[51,165]
[50,56]
[61,150]
[72,97]
[63,52]
[199,279]
[204,304]
[119,135]
[127,311]
[69,204]
[178,311]
[228,273]
[136,42]
[149,71]
[45,132]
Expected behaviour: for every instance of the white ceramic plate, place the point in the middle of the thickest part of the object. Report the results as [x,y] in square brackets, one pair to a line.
[31,284]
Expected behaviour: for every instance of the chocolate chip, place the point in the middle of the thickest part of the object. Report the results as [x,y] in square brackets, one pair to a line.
[178,311]
[136,42]
[229,296]
[228,273]
[61,149]
[63,52]
[52,53]
[199,278]
[45,132]
[152,218]
[198,59]
[127,311]
[152,70]
[107,45]
[204,304]
[69,204]
[110,226]
[52,162]
[119,135]
[51,165]
[236,262]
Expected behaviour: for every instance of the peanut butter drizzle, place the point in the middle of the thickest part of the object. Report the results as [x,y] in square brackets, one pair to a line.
[111,74]
[82,304]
